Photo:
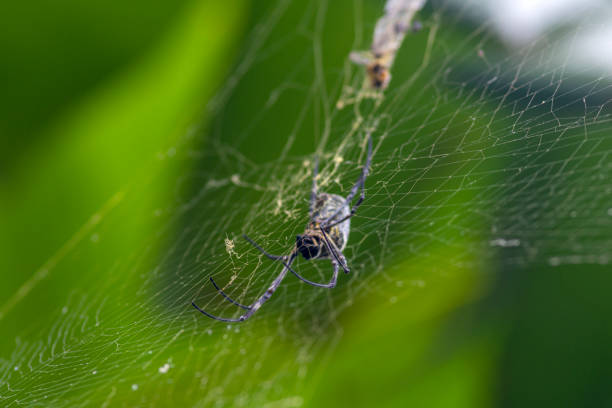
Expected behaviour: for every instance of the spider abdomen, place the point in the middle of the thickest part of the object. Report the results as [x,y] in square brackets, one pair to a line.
[326,205]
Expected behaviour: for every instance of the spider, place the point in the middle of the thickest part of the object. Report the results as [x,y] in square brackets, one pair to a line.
[324,238]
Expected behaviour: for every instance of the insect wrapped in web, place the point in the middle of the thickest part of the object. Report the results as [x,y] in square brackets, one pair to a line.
[388,36]
[325,237]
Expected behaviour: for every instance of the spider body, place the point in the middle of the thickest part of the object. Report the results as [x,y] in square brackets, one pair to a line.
[325,237]
[311,245]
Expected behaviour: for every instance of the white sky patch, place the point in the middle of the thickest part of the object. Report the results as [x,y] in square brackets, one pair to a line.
[594,46]
[521,21]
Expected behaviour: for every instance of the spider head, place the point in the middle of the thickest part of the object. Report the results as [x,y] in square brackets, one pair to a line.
[308,246]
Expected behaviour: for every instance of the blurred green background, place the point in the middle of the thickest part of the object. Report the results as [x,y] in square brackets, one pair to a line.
[118,119]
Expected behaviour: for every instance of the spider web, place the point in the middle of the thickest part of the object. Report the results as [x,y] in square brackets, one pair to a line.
[484,159]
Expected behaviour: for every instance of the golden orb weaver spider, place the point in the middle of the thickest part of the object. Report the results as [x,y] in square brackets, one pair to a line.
[324,238]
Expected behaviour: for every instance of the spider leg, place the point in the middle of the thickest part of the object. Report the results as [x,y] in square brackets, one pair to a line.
[262,299]
[336,253]
[273,257]
[313,192]
[332,282]
[227,297]
[360,183]
[223,319]
[353,211]
[270,291]
[287,265]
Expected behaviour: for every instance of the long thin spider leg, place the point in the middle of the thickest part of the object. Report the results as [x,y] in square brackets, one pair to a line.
[365,170]
[331,284]
[339,257]
[353,211]
[313,192]
[273,257]
[288,266]
[262,299]
[223,319]
[227,297]
[282,260]
[268,293]
[360,183]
